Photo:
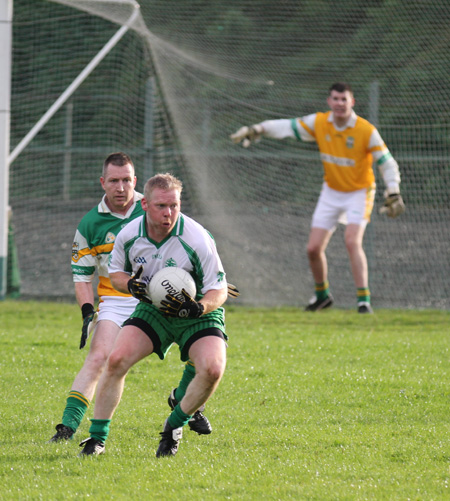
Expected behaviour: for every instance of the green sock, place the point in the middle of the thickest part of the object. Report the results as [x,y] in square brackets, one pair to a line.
[363,295]
[99,429]
[188,376]
[178,418]
[322,290]
[76,407]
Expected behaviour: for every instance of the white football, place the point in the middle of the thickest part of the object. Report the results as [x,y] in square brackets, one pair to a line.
[170,281]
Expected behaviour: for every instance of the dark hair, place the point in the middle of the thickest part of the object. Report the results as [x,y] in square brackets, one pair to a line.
[120,159]
[341,87]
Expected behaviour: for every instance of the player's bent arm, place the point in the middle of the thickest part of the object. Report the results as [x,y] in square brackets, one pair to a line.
[386,163]
[213,299]
[390,172]
[119,280]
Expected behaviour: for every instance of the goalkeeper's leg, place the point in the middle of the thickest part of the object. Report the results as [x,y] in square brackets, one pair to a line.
[317,244]
[354,235]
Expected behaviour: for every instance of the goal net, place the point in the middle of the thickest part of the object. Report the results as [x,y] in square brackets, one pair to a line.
[189,73]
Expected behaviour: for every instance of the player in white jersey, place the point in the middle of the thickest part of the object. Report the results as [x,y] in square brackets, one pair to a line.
[164,237]
[348,146]
[91,250]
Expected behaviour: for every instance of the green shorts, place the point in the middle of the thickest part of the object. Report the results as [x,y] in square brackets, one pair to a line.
[163,330]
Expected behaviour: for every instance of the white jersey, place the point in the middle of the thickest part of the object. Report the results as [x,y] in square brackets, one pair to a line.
[189,246]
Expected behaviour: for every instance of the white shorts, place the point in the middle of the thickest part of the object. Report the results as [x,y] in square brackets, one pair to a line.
[352,207]
[116,308]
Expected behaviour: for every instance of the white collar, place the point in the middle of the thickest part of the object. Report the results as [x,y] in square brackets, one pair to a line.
[103,207]
[351,122]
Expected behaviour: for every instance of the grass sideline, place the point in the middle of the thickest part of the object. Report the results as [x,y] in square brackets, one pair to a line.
[333,405]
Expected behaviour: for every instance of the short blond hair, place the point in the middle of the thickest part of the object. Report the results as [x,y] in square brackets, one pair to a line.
[164,182]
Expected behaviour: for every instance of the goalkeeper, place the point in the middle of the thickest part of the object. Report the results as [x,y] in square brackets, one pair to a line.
[348,145]
[91,249]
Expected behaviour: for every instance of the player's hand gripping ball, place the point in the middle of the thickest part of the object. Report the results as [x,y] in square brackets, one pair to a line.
[186,307]
[170,281]
[138,288]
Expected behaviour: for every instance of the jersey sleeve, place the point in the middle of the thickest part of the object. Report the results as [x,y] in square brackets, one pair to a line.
[277,129]
[386,163]
[117,257]
[299,128]
[213,274]
[83,263]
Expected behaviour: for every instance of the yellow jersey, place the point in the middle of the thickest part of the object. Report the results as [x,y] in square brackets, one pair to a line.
[347,154]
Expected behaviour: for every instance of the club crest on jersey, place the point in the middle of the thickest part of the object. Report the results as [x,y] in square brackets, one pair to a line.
[75,249]
[328,137]
[110,238]
[170,263]
[350,142]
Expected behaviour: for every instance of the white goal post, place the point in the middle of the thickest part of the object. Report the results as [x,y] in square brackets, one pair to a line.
[6,7]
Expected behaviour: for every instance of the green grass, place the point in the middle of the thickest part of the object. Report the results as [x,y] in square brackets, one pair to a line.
[333,405]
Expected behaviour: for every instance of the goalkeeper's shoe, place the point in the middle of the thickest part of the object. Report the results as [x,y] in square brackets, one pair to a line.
[198,422]
[62,433]
[170,440]
[364,307]
[319,304]
[91,447]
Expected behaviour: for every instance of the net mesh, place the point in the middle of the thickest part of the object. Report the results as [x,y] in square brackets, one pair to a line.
[188,74]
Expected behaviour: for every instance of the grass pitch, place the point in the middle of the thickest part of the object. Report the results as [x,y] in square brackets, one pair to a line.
[333,405]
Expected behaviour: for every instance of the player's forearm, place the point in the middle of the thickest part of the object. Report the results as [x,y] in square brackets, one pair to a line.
[84,293]
[213,299]
[277,129]
[119,281]
[391,175]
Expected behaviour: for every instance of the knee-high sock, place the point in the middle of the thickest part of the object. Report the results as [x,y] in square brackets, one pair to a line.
[188,376]
[75,410]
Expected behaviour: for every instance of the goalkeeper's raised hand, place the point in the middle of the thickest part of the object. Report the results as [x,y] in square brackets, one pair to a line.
[88,312]
[393,205]
[186,307]
[248,135]
[138,288]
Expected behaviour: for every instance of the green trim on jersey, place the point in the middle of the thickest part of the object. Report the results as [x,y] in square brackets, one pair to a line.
[295,128]
[176,231]
[197,273]
[384,158]
[83,270]
[128,245]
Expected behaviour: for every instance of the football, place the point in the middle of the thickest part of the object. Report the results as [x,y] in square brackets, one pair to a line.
[170,281]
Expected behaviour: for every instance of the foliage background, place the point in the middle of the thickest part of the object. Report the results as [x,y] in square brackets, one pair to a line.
[171,94]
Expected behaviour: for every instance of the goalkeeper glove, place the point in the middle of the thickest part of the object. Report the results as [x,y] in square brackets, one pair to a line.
[393,205]
[181,308]
[233,291]
[89,319]
[248,135]
[138,288]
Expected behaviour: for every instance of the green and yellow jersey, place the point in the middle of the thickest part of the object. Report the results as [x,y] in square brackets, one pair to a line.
[94,241]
